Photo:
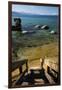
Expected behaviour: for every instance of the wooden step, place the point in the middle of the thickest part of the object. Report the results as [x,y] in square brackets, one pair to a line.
[50,79]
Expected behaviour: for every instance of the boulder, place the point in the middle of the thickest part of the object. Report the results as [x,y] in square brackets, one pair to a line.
[37,26]
[45,27]
[24,32]
[53,32]
[28,32]
[41,27]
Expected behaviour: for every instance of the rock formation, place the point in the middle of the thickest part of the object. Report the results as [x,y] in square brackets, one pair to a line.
[45,27]
[17,26]
[37,26]
[41,27]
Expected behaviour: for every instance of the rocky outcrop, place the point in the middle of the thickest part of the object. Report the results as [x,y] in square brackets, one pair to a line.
[28,32]
[37,26]
[17,26]
[53,32]
[46,27]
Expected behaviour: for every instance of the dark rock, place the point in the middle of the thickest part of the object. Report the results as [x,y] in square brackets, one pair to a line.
[53,32]
[56,33]
[28,32]
[45,27]
[17,21]
[17,26]
[37,26]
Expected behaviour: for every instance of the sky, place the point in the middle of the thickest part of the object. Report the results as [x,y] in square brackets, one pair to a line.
[39,10]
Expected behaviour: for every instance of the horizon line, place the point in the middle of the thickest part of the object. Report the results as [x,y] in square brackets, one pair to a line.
[35,13]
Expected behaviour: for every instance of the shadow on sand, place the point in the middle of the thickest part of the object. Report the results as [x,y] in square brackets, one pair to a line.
[34,74]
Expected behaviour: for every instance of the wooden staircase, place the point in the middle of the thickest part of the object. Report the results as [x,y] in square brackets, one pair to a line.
[35,76]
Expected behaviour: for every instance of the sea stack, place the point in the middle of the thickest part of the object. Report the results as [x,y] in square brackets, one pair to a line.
[17,26]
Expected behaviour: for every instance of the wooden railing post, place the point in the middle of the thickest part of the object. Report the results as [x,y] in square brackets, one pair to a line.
[42,62]
[20,69]
[27,65]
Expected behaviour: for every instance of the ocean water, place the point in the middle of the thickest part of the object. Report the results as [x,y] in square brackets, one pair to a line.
[28,22]
[38,37]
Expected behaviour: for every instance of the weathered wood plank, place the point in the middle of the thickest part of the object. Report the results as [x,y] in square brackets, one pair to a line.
[17,64]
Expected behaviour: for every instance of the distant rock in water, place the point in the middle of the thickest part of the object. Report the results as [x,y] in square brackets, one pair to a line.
[17,26]
[37,26]
[53,32]
[24,32]
[28,32]
[45,27]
